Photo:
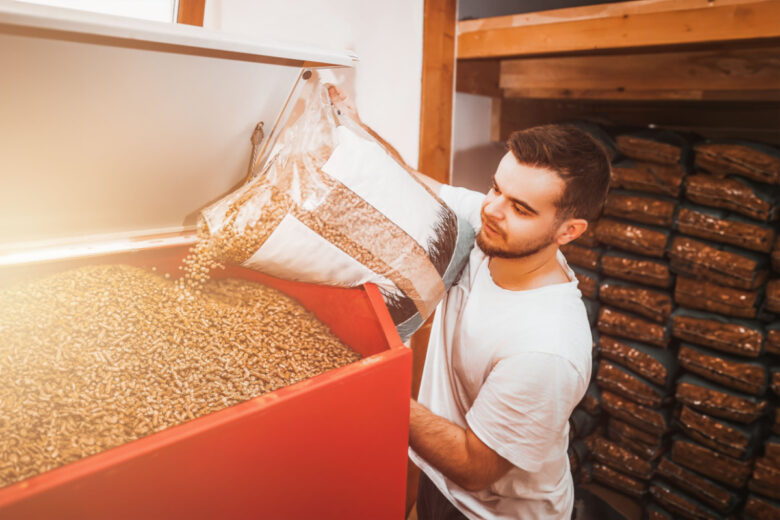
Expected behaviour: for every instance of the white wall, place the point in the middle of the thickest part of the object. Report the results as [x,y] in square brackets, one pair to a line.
[387,37]
[475,157]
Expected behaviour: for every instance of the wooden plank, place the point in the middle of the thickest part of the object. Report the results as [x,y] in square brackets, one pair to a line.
[436,105]
[495,119]
[622,94]
[747,120]
[720,23]
[478,77]
[438,85]
[191,12]
[722,69]
[589,12]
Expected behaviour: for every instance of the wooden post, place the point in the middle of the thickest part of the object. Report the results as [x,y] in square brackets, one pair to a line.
[191,12]
[438,91]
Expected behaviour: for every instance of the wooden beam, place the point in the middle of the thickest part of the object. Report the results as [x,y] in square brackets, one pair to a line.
[478,77]
[718,23]
[755,121]
[638,95]
[589,12]
[723,69]
[438,85]
[436,102]
[191,12]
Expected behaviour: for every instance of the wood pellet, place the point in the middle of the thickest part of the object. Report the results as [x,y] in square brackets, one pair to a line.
[98,356]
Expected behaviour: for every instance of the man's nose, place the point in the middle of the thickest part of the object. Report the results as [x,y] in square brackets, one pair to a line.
[493,208]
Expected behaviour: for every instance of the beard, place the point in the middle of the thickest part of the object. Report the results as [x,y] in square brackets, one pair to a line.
[516,252]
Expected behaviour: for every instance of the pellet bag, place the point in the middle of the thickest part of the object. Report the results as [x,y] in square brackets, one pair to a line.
[329,204]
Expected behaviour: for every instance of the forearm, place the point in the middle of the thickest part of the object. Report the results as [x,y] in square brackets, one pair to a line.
[456,452]
[441,443]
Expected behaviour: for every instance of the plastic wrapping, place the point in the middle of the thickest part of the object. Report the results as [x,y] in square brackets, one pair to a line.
[327,190]
[648,271]
[652,363]
[620,324]
[582,256]
[648,303]
[663,179]
[653,145]
[615,479]
[655,512]
[623,382]
[715,400]
[744,338]
[766,478]
[708,296]
[723,265]
[730,438]
[773,338]
[720,226]
[629,237]
[710,493]
[760,508]
[639,207]
[773,295]
[758,162]
[776,421]
[592,310]
[776,255]
[733,193]
[746,376]
[591,401]
[588,282]
[610,453]
[651,420]
[588,238]
[681,504]
[774,381]
[646,445]
[719,467]
[581,424]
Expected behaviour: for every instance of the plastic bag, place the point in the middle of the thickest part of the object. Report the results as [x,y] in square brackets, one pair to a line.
[737,373]
[330,205]
[741,337]
[755,161]
[720,226]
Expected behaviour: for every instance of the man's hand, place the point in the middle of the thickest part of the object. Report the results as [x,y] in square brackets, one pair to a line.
[342,103]
[459,454]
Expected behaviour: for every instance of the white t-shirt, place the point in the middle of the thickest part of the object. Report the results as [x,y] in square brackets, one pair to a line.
[510,365]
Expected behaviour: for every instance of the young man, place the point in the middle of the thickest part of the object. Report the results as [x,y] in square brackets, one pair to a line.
[510,350]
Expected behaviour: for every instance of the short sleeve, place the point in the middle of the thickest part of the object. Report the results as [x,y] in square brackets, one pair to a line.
[466,204]
[523,406]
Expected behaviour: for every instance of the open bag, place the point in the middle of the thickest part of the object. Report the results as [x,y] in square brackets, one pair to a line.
[330,205]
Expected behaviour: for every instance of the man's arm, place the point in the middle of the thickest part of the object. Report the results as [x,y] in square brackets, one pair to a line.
[346,107]
[457,453]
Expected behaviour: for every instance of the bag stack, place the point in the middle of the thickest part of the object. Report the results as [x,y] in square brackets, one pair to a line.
[725,232]
[637,363]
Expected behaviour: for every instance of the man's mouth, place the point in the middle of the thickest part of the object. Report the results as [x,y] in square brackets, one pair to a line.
[491,229]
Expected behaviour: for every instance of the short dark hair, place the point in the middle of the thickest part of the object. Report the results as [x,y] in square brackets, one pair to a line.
[575,156]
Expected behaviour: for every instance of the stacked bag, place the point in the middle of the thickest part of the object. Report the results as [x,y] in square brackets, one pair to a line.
[682,275]
[725,232]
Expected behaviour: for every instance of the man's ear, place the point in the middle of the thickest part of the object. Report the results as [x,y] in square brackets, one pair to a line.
[571,229]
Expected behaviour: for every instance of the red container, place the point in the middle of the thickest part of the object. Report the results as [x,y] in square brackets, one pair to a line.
[333,446]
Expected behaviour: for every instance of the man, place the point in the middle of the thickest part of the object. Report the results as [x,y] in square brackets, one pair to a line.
[510,350]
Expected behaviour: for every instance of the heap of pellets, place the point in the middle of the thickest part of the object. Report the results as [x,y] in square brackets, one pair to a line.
[96,357]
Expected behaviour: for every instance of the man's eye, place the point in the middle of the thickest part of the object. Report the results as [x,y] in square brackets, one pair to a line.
[520,210]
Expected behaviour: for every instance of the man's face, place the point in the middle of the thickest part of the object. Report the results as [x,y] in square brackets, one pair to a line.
[519,215]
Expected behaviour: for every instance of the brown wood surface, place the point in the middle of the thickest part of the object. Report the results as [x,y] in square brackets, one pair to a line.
[620,93]
[191,12]
[436,102]
[716,22]
[478,77]
[437,88]
[748,120]
[588,12]
[707,74]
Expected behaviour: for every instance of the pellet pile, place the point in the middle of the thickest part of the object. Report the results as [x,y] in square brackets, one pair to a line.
[685,269]
[98,356]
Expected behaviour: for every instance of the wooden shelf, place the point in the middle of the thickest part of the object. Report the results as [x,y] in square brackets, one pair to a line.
[625,61]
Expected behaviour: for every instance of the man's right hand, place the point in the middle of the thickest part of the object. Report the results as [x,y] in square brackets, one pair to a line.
[342,103]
